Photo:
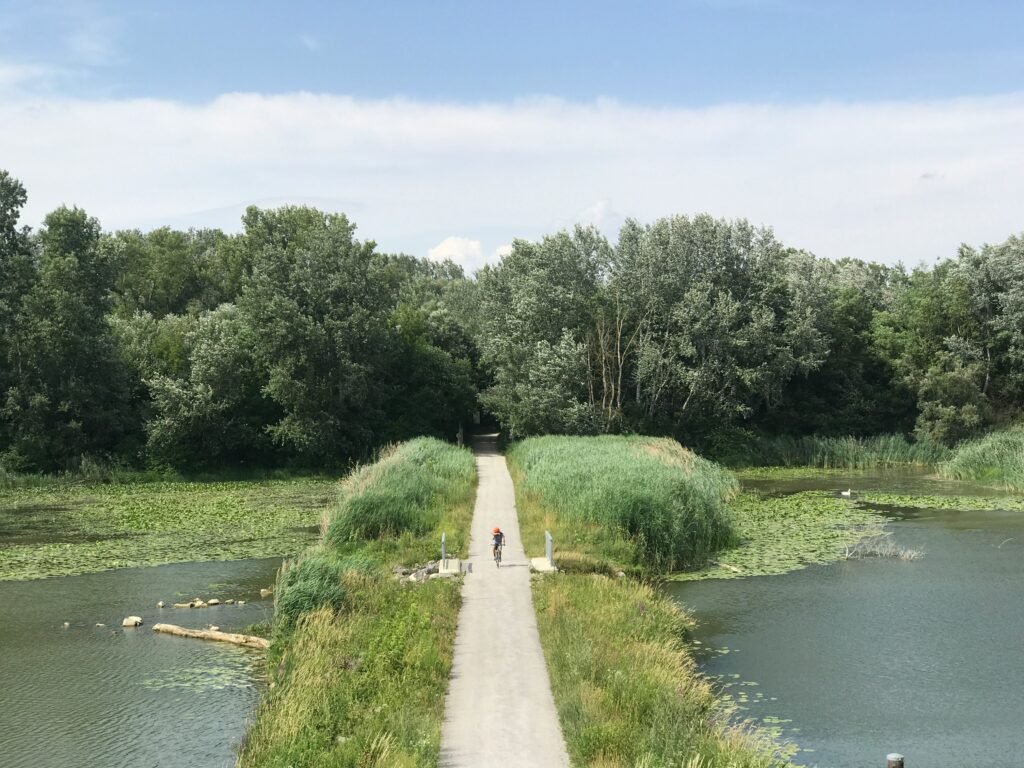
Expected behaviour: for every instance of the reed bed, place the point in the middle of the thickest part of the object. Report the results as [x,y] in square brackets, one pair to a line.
[996,459]
[849,453]
[358,658]
[642,503]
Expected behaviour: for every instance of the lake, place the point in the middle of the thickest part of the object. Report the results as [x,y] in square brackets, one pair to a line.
[865,657]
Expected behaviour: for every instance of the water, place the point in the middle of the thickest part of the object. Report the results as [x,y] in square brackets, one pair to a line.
[867,657]
[110,697]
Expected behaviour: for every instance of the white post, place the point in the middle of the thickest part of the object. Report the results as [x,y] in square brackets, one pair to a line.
[549,548]
[444,553]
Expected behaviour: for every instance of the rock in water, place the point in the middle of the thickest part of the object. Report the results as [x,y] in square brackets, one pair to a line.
[266,592]
[132,621]
[213,601]
[160,604]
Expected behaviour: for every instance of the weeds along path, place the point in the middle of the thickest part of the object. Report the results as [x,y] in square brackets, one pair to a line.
[499,710]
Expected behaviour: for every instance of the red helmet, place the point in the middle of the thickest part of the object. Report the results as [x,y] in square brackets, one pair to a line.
[496,530]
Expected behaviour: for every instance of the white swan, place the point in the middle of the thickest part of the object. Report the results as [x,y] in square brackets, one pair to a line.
[847,492]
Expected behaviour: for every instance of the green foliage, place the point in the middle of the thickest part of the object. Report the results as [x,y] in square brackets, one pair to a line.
[644,501]
[626,689]
[996,459]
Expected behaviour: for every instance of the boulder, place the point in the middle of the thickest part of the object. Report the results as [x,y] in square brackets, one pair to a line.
[266,592]
[240,602]
[229,601]
[160,604]
[183,605]
[132,621]
[213,601]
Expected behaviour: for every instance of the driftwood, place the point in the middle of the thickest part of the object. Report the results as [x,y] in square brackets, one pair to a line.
[249,641]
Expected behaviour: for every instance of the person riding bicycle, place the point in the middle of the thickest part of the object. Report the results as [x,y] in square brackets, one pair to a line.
[497,540]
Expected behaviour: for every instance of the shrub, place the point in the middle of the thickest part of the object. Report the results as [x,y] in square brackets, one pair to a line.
[996,459]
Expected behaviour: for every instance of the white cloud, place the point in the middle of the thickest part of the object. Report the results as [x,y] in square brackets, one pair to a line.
[310,43]
[501,252]
[462,250]
[841,179]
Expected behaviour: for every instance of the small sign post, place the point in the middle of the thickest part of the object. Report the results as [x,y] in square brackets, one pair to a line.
[549,548]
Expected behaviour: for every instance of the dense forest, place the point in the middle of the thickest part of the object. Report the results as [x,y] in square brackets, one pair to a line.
[292,343]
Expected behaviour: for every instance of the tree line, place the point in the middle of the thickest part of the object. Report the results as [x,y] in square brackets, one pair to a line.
[293,343]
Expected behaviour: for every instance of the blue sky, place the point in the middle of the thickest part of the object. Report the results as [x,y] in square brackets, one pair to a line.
[688,53]
[879,130]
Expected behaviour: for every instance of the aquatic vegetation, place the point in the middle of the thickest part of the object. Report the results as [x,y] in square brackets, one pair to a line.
[963,503]
[996,459]
[640,502]
[786,533]
[64,530]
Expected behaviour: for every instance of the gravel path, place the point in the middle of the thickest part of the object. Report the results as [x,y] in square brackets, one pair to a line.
[499,710]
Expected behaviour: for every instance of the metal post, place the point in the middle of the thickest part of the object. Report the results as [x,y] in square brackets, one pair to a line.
[549,549]
[444,553]
[894,760]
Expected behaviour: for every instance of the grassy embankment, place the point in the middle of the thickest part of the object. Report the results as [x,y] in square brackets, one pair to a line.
[996,459]
[626,688]
[359,660]
[55,527]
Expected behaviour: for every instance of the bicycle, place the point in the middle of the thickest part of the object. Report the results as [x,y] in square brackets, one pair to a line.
[497,555]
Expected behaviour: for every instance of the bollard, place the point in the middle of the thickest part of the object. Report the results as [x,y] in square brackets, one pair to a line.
[444,553]
[894,760]
[549,549]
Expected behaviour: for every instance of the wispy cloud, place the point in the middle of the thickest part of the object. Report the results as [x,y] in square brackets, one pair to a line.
[841,179]
[310,43]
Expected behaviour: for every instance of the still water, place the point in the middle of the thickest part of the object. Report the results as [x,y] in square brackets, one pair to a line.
[107,697]
[862,658]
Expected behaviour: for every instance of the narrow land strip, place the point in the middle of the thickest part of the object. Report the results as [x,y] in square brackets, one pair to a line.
[499,710]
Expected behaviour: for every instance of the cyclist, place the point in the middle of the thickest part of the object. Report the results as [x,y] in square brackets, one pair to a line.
[497,541]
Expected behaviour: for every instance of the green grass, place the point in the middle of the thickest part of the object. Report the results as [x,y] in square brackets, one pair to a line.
[360,660]
[996,459]
[63,529]
[640,503]
[627,692]
[849,453]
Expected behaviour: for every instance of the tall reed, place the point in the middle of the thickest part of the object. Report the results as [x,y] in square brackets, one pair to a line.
[824,452]
[647,501]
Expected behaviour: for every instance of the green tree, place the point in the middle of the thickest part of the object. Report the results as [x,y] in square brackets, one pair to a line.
[69,395]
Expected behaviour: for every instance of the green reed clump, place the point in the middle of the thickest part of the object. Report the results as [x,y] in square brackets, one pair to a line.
[823,452]
[405,492]
[996,459]
[644,501]
[626,689]
[313,582]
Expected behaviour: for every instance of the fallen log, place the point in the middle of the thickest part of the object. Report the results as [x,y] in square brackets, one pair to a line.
[249,641]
